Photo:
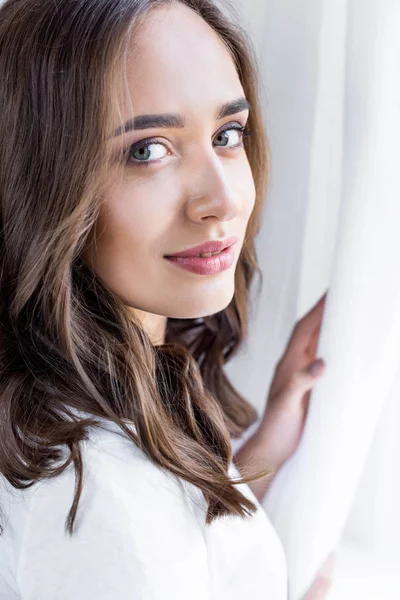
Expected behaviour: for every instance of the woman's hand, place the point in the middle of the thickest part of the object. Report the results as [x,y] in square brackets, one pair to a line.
[283,421]
[284,417]
[323,581]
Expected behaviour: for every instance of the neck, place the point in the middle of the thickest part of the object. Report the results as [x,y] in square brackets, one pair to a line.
[154,325]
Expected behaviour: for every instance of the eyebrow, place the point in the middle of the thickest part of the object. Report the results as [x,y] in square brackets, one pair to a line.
[174,120]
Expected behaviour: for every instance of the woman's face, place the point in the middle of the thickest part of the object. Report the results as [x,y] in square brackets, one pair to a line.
[187,184]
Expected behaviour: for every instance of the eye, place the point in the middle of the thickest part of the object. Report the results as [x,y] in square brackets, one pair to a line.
[147,152]
[223,137]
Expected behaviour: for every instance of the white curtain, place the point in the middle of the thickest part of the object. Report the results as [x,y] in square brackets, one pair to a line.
[331,75]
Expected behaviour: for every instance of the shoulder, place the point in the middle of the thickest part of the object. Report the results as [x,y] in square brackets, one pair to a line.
[135,523]
[118,476]
[112,463]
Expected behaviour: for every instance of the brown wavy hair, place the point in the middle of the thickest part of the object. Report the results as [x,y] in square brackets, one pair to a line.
[67,343]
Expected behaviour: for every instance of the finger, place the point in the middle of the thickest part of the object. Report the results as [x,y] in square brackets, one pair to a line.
[311,348]
[313,317]
[300,349]
[305,378]
[301,382]
[323,580]
[306,330]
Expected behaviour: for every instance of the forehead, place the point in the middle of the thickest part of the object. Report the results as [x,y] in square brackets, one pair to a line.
[178,63]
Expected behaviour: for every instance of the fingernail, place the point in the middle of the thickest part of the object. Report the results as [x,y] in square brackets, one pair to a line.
[316,367]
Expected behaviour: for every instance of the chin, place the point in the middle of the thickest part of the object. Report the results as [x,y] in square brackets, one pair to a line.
[200,307]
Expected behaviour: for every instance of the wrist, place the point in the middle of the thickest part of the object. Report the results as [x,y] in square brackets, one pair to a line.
[268,438]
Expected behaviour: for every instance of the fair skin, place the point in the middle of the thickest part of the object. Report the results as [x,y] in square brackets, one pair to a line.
[201,188]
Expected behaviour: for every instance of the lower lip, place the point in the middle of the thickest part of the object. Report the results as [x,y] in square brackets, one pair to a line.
[205,266]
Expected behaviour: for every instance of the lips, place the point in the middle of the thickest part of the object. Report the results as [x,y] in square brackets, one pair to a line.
[211,265]
[206,247]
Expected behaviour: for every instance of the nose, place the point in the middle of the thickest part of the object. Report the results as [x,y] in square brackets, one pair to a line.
[210,190]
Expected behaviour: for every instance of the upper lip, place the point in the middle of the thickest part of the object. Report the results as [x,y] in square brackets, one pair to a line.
[210,246]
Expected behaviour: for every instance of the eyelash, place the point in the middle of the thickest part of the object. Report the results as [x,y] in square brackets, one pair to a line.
[244,130]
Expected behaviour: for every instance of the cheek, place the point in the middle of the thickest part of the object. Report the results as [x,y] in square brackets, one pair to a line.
[130,236]
[251,192]
[137,215]
[244,184]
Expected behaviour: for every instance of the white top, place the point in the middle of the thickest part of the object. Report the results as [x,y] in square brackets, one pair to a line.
[140,535]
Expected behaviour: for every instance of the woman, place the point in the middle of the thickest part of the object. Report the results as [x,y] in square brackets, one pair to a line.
[125,140]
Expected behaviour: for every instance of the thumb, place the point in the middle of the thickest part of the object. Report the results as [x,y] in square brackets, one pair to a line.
[295,394]
[315,368]
[303,380]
